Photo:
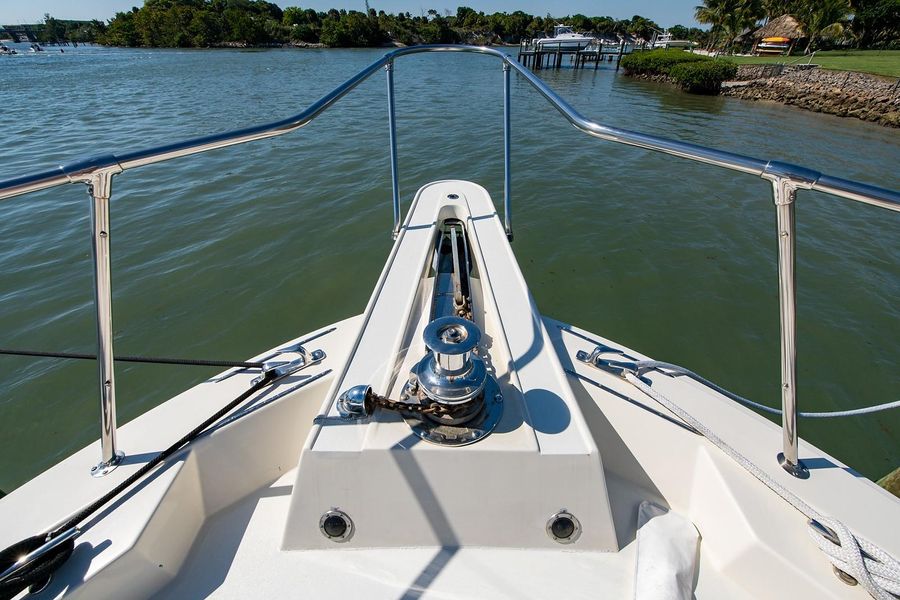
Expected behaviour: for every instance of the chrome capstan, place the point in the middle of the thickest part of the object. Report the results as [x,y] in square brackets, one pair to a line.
[451,373]
[450,397]
[453,378]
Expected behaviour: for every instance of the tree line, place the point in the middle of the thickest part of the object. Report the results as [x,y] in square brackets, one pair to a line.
[205,23]
[60,30]
[208,23]
[826,23]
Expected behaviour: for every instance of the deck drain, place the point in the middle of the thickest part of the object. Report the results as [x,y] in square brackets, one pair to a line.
[336,525]
[563,527]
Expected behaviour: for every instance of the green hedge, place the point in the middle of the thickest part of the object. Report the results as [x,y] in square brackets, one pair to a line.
[703,77]
[657,62]
[693,72]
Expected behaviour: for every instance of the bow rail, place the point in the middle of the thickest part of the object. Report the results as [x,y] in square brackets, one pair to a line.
[97,172]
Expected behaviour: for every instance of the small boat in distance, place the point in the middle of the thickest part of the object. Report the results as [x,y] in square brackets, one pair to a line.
[564,38]
[666,40]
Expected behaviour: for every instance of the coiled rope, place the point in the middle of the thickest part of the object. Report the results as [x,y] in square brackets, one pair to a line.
[875,570]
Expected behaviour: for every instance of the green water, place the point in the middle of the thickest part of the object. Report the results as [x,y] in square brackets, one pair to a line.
[227,254]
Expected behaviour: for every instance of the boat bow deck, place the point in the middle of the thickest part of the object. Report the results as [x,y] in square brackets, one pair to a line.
[376,470]
[234,515]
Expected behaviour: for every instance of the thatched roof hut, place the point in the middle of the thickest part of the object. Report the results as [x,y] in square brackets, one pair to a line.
[784,26]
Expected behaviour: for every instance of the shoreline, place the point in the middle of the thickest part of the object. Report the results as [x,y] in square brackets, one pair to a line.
[863,96]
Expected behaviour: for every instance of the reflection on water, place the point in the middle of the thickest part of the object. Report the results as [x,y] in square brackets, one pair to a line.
[227,254]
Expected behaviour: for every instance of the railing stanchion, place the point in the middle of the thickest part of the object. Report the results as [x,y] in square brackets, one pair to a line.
[100,189]
[507,177]
[785,192]
[97,172]
[392,123]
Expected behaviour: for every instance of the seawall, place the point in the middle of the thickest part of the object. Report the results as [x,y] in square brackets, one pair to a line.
[842,93]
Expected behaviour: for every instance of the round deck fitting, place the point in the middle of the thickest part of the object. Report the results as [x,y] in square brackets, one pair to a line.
[336,525]
[563,527]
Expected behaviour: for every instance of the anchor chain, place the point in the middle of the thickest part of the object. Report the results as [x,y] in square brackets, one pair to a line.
[429,408]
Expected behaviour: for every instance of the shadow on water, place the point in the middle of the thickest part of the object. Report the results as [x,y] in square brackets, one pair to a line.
[670,99]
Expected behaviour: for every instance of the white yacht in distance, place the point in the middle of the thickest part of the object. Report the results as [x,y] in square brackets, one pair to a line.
[565,38]
[451,441]
[666,40]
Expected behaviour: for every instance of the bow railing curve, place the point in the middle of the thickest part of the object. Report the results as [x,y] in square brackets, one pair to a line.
[97,172]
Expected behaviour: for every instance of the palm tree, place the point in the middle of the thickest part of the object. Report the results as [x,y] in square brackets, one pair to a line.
[821,16]
[729,17]
[642,27]
[775,8]
[744,14]
[712,13]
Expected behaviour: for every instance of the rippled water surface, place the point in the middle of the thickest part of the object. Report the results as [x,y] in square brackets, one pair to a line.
[229,253]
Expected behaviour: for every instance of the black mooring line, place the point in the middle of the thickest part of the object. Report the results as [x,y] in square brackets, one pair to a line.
[160,360]
[136,359]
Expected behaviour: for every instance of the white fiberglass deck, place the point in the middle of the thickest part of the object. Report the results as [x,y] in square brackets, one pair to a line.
[240,540]
[236,514]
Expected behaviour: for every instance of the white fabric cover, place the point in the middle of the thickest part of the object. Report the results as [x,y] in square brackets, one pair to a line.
[666,555]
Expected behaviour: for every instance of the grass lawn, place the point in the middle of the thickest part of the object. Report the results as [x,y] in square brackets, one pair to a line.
[879,62]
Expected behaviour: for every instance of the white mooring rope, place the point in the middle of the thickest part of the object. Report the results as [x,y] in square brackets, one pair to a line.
[876,570]
[642,366]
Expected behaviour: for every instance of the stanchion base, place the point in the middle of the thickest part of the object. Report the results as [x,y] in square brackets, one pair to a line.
[105,468]
[799,470]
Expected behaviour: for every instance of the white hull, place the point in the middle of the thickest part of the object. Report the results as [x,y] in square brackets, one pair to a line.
[235,515]
[667,41]
[564,44]
[674,44]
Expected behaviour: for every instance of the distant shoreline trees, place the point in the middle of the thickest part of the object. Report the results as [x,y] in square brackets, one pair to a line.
[207,23]
[216,23]
[53,31]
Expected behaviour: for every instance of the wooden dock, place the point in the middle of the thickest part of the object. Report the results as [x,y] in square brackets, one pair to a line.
[546,56]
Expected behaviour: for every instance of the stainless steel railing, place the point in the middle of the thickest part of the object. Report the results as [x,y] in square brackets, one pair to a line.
[97,173]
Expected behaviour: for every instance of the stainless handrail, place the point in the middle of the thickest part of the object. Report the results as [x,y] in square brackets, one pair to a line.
[80,171]
[786,179]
